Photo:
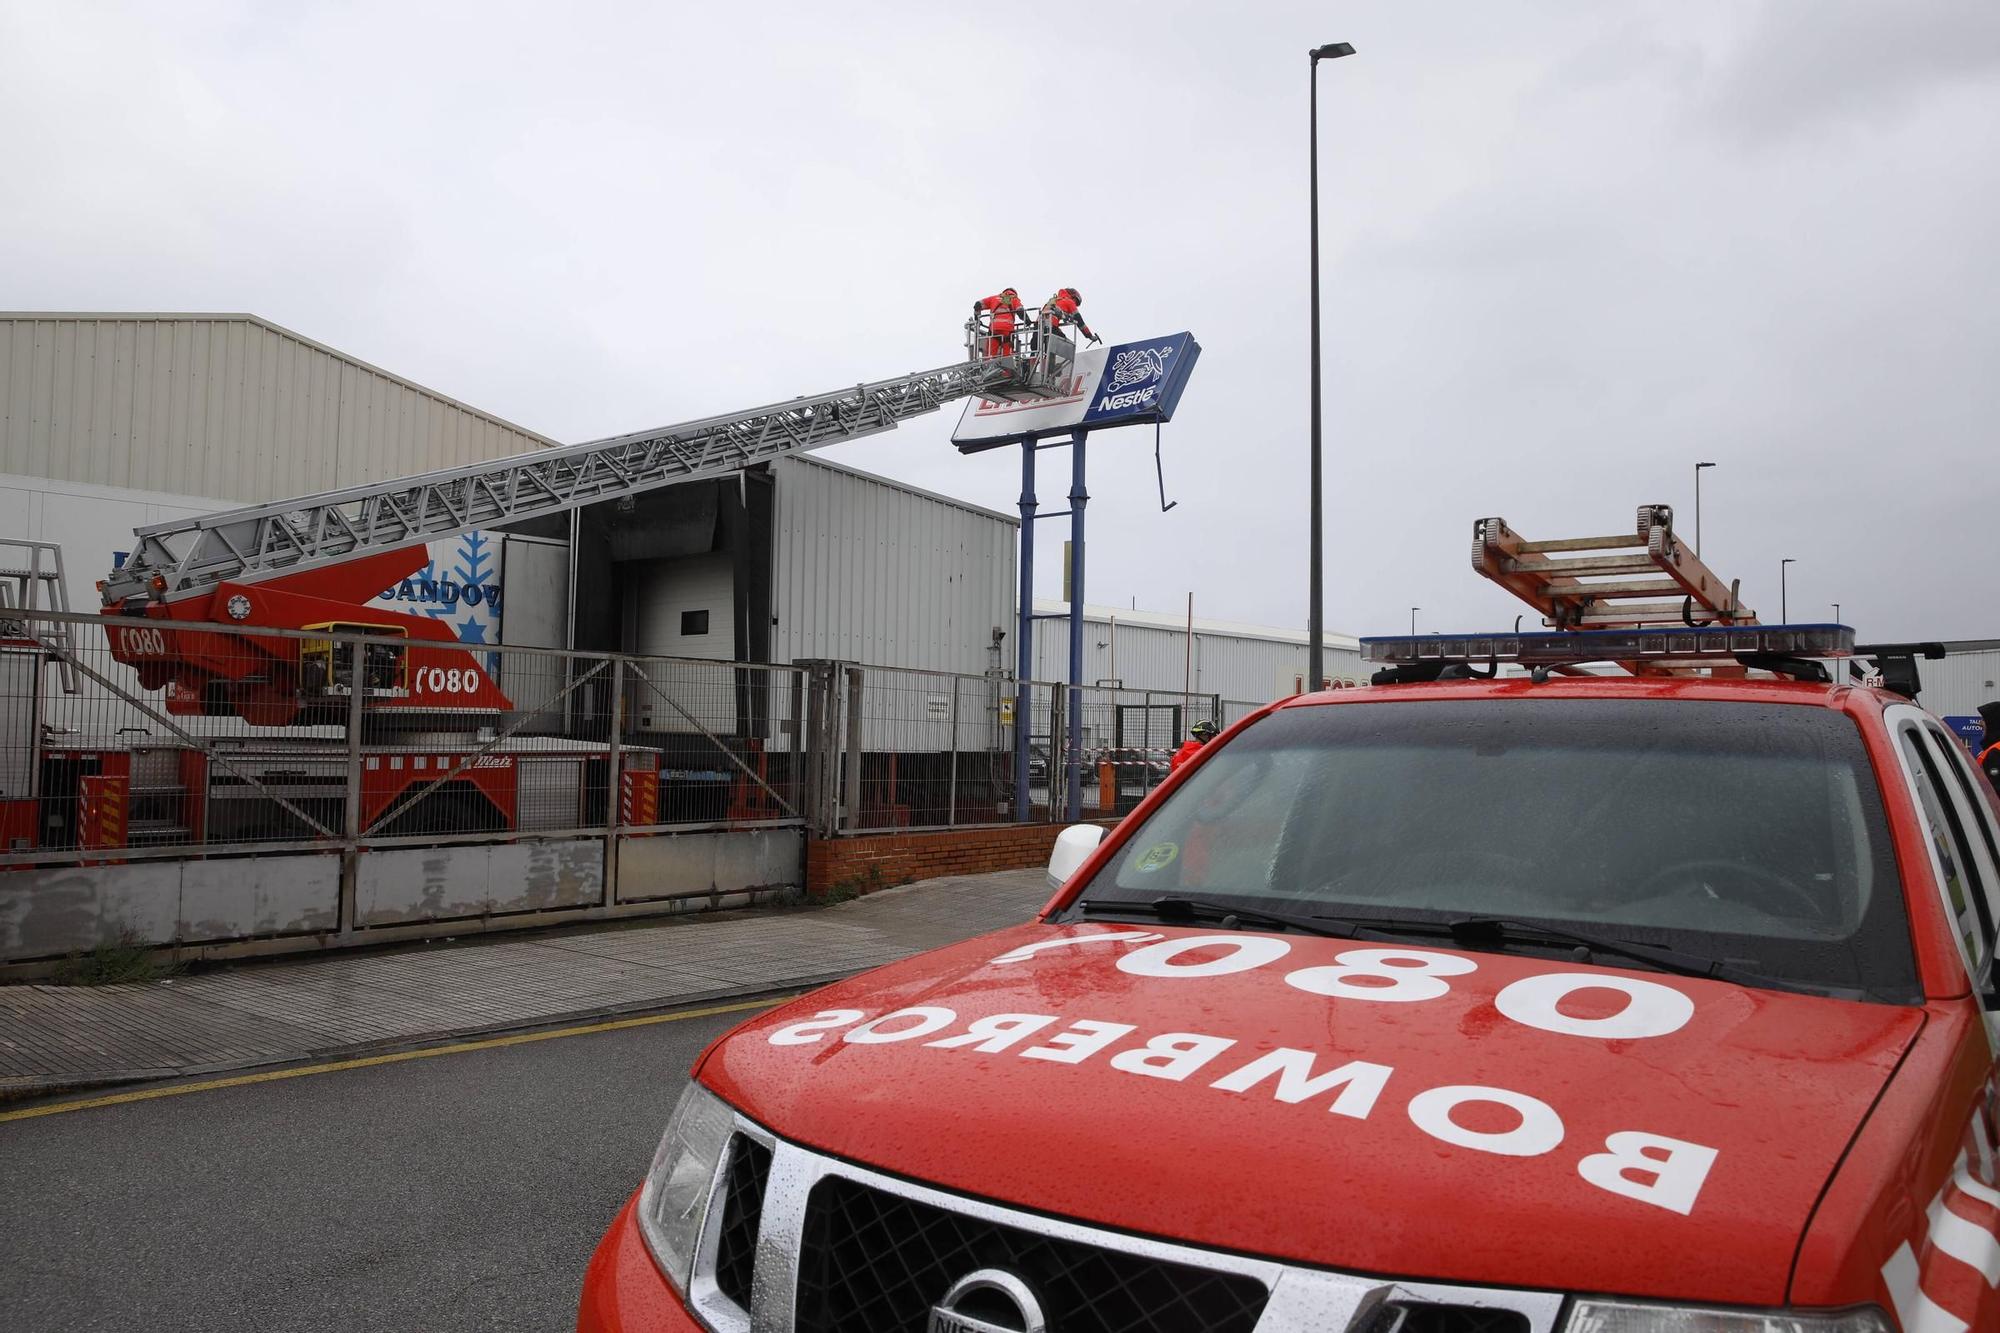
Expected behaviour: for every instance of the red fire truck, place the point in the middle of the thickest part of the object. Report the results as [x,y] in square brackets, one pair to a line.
[1499,996]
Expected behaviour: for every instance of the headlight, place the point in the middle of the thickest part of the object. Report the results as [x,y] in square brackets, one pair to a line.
[1600,1316]
[674,1201]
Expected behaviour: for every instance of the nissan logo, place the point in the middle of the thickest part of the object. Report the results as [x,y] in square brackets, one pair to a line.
[988,1301]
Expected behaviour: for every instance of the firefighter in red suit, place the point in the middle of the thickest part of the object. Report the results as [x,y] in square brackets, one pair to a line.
[1000,312]
[1204,732]
[1065,308]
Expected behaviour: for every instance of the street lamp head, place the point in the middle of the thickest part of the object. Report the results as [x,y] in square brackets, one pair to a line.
[1699,466]
[1332,51]
[1789,560]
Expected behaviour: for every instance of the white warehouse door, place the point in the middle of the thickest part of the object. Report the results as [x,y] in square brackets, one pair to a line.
[683,607]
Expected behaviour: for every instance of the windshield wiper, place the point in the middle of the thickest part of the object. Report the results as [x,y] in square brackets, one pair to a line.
[1499,930]
[1227,915]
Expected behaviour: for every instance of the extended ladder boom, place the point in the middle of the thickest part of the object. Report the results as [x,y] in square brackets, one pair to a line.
[176,559]
[1600,582]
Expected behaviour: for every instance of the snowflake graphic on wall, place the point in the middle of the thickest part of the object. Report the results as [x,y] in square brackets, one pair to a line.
[471,567]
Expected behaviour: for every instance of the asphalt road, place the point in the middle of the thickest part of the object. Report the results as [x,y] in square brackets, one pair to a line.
[464,1191]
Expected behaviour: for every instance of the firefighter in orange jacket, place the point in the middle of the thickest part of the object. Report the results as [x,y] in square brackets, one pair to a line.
[1065,307]
[999,312]
[1203,732]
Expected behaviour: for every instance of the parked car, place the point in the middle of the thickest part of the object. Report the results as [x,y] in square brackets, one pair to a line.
[1629,1005]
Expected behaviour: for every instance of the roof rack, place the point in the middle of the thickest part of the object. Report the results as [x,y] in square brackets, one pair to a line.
[1642,600]
[1896,665]
[1585,583]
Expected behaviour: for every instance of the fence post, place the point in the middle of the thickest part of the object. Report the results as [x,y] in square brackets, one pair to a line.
[818,796]
[350,852]
[853,784]
[797,786]
[1146,754]
[1058,765]
[614,804]
[951,796]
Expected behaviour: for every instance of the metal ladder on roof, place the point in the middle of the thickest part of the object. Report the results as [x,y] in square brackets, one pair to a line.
[189,556]
[1610,582]
[31,579]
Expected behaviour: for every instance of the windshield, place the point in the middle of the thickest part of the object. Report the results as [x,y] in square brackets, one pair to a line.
[1744,832]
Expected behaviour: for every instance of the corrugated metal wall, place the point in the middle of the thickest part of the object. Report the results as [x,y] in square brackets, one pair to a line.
[866,570]
[1965,679]
[226,406]
[1152,657]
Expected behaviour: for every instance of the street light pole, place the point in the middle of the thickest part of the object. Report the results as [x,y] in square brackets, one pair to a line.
[1316,594]
[1836,613]
[1697,505]
[1413,618]
[1784,617]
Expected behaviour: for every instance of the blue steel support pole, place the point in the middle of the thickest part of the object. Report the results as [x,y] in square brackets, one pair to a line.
[1073,750]
[1024,636]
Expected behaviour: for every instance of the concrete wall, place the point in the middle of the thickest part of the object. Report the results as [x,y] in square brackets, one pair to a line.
[47,913]
[293,901]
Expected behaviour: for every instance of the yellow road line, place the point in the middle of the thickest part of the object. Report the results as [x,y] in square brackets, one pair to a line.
[395,1057]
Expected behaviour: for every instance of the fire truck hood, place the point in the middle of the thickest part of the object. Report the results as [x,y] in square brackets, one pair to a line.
[1409,1111]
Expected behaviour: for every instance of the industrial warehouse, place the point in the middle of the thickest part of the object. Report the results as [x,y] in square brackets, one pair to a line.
[765,658]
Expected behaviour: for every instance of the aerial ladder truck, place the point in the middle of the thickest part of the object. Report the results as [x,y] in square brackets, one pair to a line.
[311,565]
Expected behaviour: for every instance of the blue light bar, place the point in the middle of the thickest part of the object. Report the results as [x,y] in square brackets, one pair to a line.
[1674,643]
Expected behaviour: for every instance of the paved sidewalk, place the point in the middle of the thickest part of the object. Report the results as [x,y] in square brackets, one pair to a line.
[55,1037]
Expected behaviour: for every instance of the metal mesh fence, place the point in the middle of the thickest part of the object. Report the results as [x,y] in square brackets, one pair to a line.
[1127,740]
[724,739]
[934,749]
[154,737]
[143,735]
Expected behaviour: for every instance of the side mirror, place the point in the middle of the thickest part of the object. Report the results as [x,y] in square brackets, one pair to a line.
[1073,847]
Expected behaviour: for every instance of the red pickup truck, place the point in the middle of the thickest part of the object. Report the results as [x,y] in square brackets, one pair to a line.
[1563,1005]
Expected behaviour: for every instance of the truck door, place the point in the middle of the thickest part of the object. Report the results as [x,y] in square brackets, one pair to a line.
[1943,1284]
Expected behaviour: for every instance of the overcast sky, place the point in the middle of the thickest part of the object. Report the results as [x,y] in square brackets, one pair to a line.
[1569,250]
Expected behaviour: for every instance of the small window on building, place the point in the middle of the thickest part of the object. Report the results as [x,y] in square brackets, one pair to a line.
[693,623]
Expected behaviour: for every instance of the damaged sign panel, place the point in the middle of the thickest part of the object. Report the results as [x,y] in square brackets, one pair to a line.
[1126,384]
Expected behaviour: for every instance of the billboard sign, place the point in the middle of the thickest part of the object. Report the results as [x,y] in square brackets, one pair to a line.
[1125,384]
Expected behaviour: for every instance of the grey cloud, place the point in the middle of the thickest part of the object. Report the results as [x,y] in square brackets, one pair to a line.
[1569,250]
[1849,63]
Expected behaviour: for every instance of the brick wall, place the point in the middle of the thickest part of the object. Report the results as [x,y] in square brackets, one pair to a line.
[882,860]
